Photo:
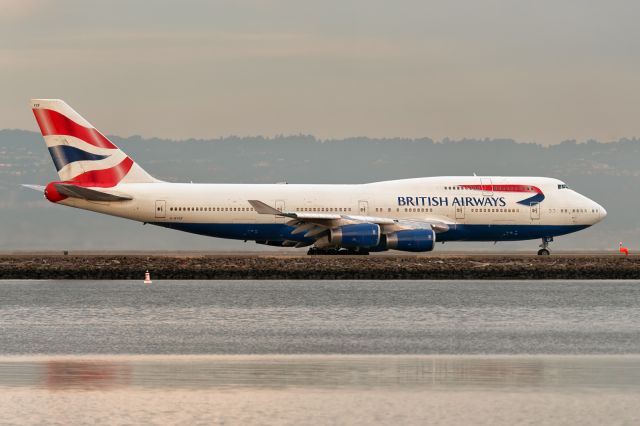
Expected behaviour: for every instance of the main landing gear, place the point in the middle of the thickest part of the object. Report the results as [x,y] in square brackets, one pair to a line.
[544,250]
[315,251]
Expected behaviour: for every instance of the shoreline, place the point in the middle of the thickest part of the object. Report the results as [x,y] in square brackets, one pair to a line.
[302,267]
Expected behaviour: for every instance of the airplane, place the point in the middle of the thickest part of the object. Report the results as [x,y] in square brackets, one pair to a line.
[408,215]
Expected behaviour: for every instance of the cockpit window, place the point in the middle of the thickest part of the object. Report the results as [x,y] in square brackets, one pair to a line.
[563,186]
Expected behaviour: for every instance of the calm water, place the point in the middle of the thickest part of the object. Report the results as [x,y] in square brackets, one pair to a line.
[320,352]
[319,317]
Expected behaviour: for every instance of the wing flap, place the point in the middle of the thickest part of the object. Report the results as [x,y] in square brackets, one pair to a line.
[304,227]
[437,225]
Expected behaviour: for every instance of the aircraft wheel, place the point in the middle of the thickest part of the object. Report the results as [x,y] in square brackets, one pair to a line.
[314,251]
[543,252]
[355,252]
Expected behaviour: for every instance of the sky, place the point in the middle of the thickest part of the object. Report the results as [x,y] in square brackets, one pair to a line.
[535,71]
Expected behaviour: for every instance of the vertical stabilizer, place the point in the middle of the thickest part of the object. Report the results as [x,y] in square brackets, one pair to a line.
[82,155]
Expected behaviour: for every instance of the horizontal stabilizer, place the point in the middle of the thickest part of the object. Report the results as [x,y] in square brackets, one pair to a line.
[34,187]
[76,191]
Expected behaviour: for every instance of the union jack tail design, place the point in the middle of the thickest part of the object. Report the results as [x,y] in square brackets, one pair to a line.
[82,155]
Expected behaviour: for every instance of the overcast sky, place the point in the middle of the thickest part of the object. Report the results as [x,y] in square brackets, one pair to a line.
[540,71]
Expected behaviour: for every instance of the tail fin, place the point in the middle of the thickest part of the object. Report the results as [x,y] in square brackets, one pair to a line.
[82,155]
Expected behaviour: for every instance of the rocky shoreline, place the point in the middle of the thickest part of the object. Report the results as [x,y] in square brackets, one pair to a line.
[110,267]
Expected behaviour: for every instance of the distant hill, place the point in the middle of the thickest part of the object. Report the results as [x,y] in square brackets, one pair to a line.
[606,172]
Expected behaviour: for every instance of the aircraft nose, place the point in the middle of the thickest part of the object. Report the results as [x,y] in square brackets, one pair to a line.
[602,212]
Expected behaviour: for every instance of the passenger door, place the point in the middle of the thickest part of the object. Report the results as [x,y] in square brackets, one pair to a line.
[535,211]
[487,187]
[459,212]
[161,207]
[363,207]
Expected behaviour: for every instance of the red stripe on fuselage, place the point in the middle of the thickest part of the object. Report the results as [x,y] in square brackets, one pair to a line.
[53,123]
[504,188]
[105,178]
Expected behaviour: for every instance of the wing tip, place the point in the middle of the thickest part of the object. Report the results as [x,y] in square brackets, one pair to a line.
[263,208]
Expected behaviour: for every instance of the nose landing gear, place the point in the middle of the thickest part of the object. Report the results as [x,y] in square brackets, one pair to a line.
[544,247]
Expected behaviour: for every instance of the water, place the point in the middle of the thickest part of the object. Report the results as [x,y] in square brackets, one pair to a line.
[318,352]
[320,317]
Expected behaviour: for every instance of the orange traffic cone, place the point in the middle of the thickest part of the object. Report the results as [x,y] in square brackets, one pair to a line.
[624,249]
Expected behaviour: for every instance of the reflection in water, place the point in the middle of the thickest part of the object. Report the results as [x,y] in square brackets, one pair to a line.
[354,390]
[68,374]
[237,372]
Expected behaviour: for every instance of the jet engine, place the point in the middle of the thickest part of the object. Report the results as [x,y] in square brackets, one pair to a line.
[365,235]
[415,240]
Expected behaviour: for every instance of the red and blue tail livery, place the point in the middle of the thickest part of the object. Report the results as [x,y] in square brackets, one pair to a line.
[81,154]
[96,175]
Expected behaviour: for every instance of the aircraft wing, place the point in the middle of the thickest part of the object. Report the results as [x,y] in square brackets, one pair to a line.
[314,224]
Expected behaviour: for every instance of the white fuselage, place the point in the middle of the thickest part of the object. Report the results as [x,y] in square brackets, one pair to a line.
[480,209]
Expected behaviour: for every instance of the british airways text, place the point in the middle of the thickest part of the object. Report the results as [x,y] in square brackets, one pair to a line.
[456,201]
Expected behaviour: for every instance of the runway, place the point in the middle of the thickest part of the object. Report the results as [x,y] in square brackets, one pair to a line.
[302,253]
[293,265]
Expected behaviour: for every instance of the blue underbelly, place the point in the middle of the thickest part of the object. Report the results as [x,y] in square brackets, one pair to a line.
[505,232]
[281,232]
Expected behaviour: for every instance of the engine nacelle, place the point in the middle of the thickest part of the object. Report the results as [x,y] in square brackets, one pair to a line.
[52,194]
[412,240]
[364,235]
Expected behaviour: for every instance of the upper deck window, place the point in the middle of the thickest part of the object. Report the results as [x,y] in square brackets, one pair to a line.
[563,186]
